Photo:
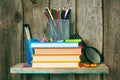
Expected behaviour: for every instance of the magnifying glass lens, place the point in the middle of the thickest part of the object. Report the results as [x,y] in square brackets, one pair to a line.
[93,55]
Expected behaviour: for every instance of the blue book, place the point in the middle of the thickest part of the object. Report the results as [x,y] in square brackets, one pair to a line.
[29,52]
[37,44]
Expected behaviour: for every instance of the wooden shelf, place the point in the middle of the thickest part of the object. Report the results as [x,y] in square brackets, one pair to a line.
[20,69]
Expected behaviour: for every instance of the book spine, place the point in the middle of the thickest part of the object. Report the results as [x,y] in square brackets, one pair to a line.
[54,45]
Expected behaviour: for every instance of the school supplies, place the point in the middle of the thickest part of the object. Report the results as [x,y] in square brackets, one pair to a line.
[29,50]
[55,18]
[57,13]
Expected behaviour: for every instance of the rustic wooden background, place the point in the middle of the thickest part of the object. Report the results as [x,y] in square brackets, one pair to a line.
[97,21]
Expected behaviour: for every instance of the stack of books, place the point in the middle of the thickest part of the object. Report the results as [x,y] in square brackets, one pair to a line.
[56,54]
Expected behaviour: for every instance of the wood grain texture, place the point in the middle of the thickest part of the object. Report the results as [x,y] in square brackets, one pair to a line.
[10,39]
[7,9]
[62,77]
[112,38]
[67,4]
[37,77]
[88,77]
[89,22]
[34,16]
[89,26]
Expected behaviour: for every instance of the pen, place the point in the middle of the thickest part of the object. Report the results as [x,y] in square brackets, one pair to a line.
[69,10]
[66,11]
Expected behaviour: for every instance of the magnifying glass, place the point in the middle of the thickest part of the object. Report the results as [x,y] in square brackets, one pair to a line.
[91,54]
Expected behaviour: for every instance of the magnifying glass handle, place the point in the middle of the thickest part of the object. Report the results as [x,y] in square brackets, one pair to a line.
[79,37]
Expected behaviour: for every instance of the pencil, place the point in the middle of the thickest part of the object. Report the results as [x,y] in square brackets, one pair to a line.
[49,12]
[46,14]
[53,13]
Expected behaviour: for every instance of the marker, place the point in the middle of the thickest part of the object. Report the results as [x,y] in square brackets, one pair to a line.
[68,12]
[73,40]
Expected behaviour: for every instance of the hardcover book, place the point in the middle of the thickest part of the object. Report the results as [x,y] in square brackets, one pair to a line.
[56,51]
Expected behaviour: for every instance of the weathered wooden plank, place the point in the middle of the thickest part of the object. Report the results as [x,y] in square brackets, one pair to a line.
[3,10]
[38,77]
[88,77]
[19,68]
[11,31]
[62,77]
[34,16]
[80,77]
[2,75]
[16,34]
[67,4]
[89,22]
[112,38]
[89,26]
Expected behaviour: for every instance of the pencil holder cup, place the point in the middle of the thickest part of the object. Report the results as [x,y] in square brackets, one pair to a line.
[58,29]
